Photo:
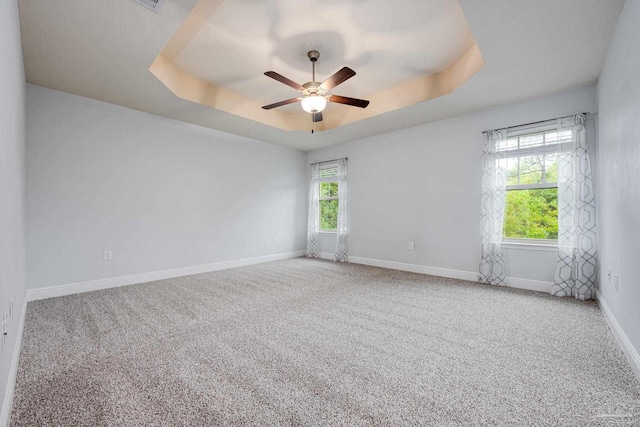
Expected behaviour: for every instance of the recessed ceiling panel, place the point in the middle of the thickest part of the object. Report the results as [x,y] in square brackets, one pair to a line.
[403,53]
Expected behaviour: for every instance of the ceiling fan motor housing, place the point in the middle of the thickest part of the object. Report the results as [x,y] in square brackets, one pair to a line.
[313,87]
[313,55]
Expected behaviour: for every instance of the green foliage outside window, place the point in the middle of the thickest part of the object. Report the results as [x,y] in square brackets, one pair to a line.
[329,206]
[529,169]
[328,189]
[328,215]
[532,213]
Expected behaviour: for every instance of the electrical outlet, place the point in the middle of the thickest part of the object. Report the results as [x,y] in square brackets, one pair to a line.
[410,246]
[11,309]
[275,239]
[615,282]
[108,255]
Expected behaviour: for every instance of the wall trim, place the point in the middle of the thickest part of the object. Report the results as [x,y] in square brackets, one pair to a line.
[5,415]
[623,341]
[114,282]
[326,255]
[415,268]
[532,285]
[472,276]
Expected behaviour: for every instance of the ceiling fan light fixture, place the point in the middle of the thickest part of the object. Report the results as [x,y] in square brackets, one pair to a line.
[314,103]
[315,95]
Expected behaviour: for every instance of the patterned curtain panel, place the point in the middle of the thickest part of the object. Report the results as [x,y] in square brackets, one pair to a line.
[494,183]
[313,239]
[342,246]
[577,255]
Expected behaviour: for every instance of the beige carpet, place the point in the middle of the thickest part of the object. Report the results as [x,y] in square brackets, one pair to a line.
[307,342]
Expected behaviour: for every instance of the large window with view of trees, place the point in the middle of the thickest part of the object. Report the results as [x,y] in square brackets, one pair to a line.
[531,163]
[328,200]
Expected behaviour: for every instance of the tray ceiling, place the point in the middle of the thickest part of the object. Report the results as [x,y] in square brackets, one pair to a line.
[530,49]
[403,54]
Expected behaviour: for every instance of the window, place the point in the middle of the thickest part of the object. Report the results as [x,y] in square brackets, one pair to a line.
[531,164]
[328,199]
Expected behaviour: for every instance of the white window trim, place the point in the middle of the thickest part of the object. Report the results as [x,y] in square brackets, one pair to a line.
[540,186]
[512,244]
[533,151]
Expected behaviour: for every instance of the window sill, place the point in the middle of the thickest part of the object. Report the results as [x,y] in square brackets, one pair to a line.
[530,246]
[327,233]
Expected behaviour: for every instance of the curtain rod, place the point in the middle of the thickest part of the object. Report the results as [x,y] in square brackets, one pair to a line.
[329,161]
[538,122]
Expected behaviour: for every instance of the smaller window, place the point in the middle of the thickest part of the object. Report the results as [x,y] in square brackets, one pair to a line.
[328,200]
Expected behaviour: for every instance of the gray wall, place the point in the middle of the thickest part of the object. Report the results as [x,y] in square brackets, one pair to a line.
[12,192]
[161,194]
[618,171]
[423,184]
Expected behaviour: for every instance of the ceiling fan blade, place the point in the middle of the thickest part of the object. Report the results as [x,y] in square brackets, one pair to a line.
[317,117]
[348,101]
[283,79]
[339,77]
[281,103]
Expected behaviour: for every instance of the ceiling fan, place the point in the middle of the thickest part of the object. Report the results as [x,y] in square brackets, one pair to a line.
[314,95]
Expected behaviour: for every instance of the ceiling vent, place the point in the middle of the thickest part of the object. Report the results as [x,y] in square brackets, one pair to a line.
[154,5]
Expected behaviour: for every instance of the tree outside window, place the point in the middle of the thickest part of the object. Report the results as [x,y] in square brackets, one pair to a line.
[531,162]
[328,199]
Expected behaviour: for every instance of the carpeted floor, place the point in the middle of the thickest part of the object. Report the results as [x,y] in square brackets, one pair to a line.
[307,342]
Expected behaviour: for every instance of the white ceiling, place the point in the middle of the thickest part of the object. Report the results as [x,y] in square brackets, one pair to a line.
[385,44]
[530,49]
[219,54]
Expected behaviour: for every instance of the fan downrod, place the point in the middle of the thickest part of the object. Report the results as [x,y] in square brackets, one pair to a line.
[313,57]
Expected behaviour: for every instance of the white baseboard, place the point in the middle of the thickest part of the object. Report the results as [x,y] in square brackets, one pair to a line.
[415,268]
[623,341]
[113,282]
[531,285]
[5,415]
[326,255]
[472,276]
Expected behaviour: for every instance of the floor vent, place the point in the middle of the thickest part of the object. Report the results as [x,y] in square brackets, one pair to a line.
[154,5]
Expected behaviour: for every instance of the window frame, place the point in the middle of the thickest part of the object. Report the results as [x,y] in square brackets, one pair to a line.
[556,148]
[321,179]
